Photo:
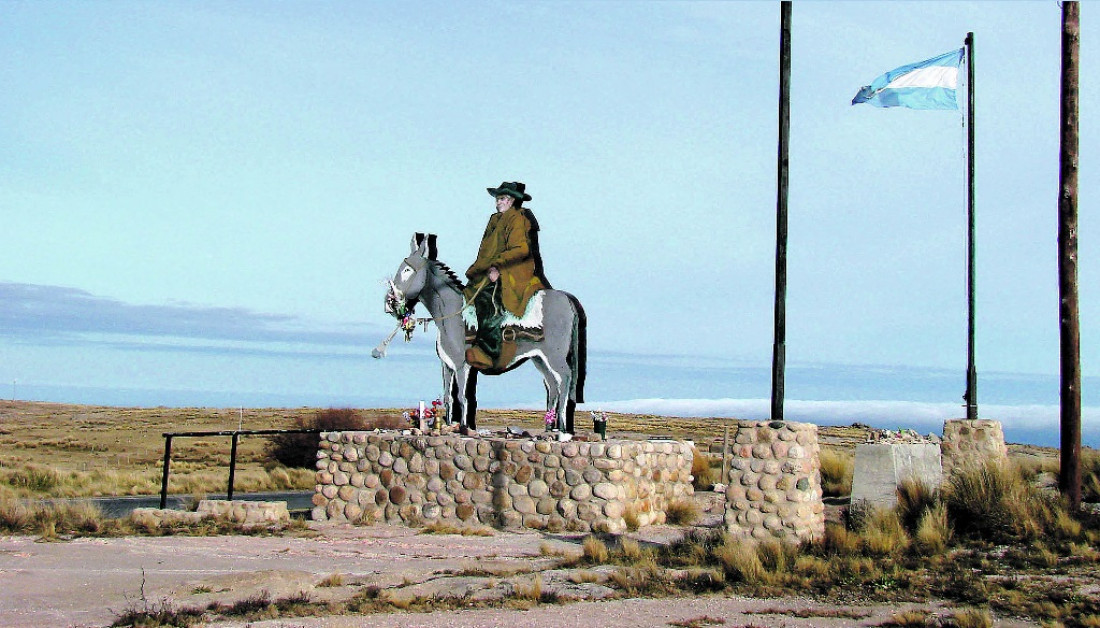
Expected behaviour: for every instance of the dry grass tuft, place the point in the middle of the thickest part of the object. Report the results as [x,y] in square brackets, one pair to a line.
[741,561]
[698,622]
[529,591]
[910,618]
[971,618]
[595,550]
[841,541]
[442,527]
[332,580]
[49,519]
[630,551]
[630,517]
[994,502]
[883,534]
[584,576]
[683,512]
[837,468]
[640,580]
[914,499]
[933,531]
[703,475]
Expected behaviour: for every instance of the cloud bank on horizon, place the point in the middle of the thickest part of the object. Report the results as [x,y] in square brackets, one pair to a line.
[38,314]
[1036,424]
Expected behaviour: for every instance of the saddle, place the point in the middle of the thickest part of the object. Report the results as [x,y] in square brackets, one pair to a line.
[510,335]
[512,330]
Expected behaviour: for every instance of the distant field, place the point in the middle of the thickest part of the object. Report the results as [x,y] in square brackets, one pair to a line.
[108,450]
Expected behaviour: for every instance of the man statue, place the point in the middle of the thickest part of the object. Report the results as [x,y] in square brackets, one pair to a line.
[506,273]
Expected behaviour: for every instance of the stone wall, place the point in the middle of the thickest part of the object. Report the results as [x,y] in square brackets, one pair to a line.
[967,442]
[774,488]
[541,484]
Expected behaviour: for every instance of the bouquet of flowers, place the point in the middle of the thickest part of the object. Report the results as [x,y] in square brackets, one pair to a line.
[430,412]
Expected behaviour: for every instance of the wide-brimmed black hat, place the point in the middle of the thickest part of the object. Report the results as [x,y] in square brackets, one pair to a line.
[515,189]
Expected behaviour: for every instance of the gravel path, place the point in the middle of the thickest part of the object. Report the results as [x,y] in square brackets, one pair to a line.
[89,582]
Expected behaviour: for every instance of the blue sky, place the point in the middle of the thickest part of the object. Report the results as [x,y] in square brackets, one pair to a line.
[206,196]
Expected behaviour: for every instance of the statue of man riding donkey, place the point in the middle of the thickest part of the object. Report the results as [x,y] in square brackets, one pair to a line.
[506,314]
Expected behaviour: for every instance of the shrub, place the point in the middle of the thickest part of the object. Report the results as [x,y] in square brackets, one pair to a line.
[300,450]
[836,472]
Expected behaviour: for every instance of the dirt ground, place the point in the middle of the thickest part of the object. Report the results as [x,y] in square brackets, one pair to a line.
[90,582]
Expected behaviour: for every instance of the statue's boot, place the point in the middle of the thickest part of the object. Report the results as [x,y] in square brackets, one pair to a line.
[477,358]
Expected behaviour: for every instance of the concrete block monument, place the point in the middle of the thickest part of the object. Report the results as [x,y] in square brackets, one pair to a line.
[880,468]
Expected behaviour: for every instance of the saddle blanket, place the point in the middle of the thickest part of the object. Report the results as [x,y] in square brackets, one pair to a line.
[531,319]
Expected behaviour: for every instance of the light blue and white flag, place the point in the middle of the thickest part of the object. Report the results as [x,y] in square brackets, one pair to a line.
[930,84]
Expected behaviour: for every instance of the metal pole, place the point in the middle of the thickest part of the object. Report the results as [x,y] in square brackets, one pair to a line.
[971,370]
[1069,480]
[232,465]
[779,347]
[164,476]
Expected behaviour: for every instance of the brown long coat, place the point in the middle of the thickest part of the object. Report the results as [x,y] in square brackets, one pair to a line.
[511,244]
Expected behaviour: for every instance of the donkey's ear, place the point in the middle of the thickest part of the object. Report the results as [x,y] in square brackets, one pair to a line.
[432,250]
[418,239]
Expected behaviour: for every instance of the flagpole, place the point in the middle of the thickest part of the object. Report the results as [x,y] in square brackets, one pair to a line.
[779,348]
[971,395]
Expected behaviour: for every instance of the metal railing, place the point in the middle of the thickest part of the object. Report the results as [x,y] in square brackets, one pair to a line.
[236,434]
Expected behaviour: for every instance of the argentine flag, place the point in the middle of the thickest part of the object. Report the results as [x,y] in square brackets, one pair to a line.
[929,84]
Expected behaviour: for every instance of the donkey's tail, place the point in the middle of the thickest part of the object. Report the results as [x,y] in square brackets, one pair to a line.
[578,351]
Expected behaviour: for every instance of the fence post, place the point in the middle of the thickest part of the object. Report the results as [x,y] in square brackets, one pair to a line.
[232,465]
[726,457]
[164,477]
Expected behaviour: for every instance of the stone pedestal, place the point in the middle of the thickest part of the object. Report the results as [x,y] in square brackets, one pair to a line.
[881,467]
[774,486]
[366,477]
[972,442]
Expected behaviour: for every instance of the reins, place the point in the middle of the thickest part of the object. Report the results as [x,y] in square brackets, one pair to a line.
[380,350]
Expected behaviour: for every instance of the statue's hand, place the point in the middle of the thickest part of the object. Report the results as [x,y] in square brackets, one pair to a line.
[494,274]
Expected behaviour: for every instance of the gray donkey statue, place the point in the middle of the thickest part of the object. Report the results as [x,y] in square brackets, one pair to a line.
[558,352]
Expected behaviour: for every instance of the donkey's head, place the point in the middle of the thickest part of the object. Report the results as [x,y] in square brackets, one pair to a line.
[411,276]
